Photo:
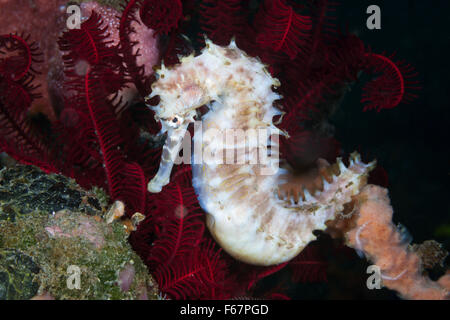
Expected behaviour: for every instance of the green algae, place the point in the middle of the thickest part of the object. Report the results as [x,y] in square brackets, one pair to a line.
[25,189]
[52,239]
[17,275]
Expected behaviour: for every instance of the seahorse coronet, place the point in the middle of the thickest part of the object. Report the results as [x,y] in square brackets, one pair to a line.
[244,212]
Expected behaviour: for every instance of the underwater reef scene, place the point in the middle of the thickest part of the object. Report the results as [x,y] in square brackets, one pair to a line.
[101,101]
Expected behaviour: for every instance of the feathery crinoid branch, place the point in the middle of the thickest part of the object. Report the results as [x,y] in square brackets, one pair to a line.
[18,137]
[264,272]
[178,235]
[20,56]
[161,15]
[316,79]
[180,226]
[216,269]
[308,85]
[130,10]
[280,28]
[179,195]
[312,92]
[77,148]
[323,31]
[87,44]
[198,275]
[393,85]
[92,89]
[309,265]
[184,263]
[222,20]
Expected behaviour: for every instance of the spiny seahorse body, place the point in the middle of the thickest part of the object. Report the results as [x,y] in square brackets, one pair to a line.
[245,215]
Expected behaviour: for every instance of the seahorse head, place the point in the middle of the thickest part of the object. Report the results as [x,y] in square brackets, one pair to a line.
[191,84]
[179,97]
[180,93]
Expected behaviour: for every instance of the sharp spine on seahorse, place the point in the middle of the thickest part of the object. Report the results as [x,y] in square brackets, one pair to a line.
[246,216]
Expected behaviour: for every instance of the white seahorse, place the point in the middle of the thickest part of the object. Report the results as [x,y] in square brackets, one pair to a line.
[244,212]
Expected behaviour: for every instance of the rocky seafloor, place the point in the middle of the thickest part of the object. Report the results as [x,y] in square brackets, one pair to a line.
[55,242]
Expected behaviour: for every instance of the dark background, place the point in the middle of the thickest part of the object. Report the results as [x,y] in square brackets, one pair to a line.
[410,141]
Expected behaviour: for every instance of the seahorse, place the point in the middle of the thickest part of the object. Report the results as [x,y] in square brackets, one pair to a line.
[245,212]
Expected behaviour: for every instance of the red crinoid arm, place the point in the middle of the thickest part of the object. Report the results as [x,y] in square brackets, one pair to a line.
[264,272]
[309,265]
[104,125]
[223,19]
[393,84]
[280,28]
[17,137]
[217,272]
[134,188]
[182,262]
[299,106]
[323,28]
[18,56]
[90,91]
[83,43]
[198,275]
[180,234]
[126,181]
[135,72]
[184,280]
[182,224]
[161,15]
[180,193]
[77,139]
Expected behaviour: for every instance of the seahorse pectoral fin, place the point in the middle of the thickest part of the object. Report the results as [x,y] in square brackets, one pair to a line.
[169,155]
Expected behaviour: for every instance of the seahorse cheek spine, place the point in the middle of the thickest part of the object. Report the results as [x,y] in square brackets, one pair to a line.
[244,214]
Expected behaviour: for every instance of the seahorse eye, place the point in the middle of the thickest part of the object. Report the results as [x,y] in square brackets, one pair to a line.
[174,121]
